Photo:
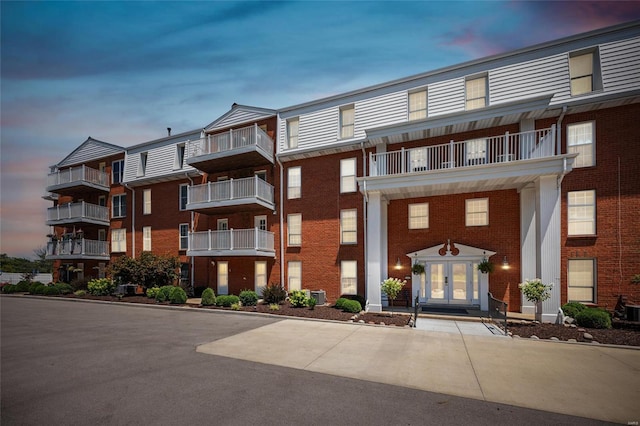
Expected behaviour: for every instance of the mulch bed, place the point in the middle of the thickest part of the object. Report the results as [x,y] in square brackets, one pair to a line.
[622,333]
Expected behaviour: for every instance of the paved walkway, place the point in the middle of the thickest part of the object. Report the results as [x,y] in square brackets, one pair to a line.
[456,358]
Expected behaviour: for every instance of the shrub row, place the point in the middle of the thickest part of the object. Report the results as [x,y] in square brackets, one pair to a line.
[586,316]
[20,287]
[101,287]
[348,305]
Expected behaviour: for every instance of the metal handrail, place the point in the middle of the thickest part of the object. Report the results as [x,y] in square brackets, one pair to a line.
[498,310]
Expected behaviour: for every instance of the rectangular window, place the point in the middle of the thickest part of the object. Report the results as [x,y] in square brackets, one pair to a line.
[293,125]
[183,196]
[102,235]
[347,120]
[146,238]
[584,72]
[260,222]
[146,201]
[294,272]
[223,277]
[348,277]
[294,229]
[178,161]
[102,166]
[581,280]
[118,240]
[294,182]
[117,171]
[477,212]
[476,93]
[348,175]
[142,164]
[580,140]
[476,151]
[223,224]
[261,276]
[582,212]
[119,205]
[418,105]
[349,226]
[102,200]
[184,236]
[419,216]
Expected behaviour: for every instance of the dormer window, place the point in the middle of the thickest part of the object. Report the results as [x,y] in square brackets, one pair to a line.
[584,71]
[476,92]
[418,105]
[347,119]
[178,161]
[293,125]
[142,164]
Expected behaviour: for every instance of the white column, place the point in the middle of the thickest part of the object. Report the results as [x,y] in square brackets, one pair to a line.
[376,249]
[548,238]
[528,251]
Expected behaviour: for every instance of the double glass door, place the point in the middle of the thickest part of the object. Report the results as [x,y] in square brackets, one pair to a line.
[451,282]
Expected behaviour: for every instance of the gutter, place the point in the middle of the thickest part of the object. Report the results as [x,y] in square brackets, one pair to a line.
[281,208]
[365,201]
[133,219]
[191,261]
[559,146]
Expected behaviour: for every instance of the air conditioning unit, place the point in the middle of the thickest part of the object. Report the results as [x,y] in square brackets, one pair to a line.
[320,296]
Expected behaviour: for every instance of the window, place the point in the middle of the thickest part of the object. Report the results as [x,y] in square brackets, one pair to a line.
[102,235]
[477,212]
[119,205]
[419,216]
[476,151]
[178,161]
[581,280]
[582,212]
[293,126]
[223,277]
[294,182]
[183,196]
[146,201]
[142,164]
[223,224]
[348,277]
[261,276]
[348,226]
[146,238]
[260,222]
[347,118]
[476,92]
[184,275]
[102,166]
[294,229]
[184,236]
[102,200]
[348,175]
[580,140]
[118,240]
[262,175]
[418,105]
[584,72]
[294,272]
[117,171]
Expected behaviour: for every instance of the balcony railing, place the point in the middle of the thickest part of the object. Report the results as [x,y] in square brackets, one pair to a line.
[242,241]
[233,140]
[77,248]
[76,176]
[78,212]
[228,191]
[469,153]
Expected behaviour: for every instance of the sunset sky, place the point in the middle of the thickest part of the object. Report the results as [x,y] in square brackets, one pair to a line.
[122,72]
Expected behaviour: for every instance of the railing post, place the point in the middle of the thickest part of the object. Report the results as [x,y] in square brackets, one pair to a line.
[209,197]
[231,189]
[255,178]
[255,133]
[255,238]
[231,239]
[506,146]
[84,213]
[555,142]
[230,139]
[371,160]
[451,154]
[209,240]
[403,164]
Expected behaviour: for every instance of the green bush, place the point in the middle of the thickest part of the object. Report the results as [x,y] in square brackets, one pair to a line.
[340,302]
[163,293]
[80,292]
[297,299]
[178,296]
[152,292]
[33,286]
[248,298]
[274,293]
[64,288]
[352,306]
[361,300]
[236,306]
[101,287]
[311,303]
[274,307]
[22,286]
[208,297]
[593,318]
[51,290]
[227,300]
[39,289]
[572,309]
[9,288]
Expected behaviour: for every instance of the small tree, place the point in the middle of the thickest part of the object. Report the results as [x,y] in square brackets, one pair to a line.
[392,287]
[148,270]
[537,292]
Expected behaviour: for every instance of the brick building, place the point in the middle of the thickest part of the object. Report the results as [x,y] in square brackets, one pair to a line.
[525,159]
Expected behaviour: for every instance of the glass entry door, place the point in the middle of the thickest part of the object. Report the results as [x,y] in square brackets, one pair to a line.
[450,282]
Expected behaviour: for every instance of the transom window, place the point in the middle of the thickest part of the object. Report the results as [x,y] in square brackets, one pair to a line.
[347,119]
[294,229]
[581,280]
[476,92]
[580,140]
[582,212]
[119,205]
[419,216]
[348,226]
[348,175]
[293,126]
[477,212]
[294,182]
[418,105]
[348,277]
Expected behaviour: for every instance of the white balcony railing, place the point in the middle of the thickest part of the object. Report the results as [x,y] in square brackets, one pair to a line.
[78,211]
[77,247]
[230,141]
[232,189]
[232,240]
[492,150]
[78,175]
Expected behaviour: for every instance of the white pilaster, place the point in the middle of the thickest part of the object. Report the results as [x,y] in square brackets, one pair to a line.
[376,249]
[548,239]
[528,250]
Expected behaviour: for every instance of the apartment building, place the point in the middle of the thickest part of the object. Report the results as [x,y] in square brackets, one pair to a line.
[525,159]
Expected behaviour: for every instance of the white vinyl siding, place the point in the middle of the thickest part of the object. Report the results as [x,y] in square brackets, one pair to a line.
[294,229]
[293,127]
[580,140]
[581,280]
[119,205]
[347,122]
[582,212]
[183,232]
[348,277]
[146,201]
[294,274]
[476,92]
[477,212]
[348,175]
[418,105]
[118,240]
[619,65]
[446,97]
[419,216]
[146,238]
[294,182]
[349,226]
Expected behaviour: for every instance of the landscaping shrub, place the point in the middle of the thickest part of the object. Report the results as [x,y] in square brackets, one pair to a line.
[274,293]
[298,299]
[163,293]
[593,318]
[152,292]
[33,286]
[235,306]
[208,297]
[64,288]
[178,296]
[39,289]
[80,292]
[227,300]
[9,288]
[51,290]
[79,283]
[572,309]
[101,287]
[311,303]
[361,300]
[274,307]
[20,287]
[352,306]
[248,298]
[340,302]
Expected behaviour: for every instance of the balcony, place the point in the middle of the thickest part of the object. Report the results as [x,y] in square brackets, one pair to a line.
[77,179]
[78,213]
[77,248]
[246,147]
[225,196]
[232,242]
[506,161]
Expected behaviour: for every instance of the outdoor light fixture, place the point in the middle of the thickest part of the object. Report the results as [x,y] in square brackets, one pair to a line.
[398,264]
[505,263]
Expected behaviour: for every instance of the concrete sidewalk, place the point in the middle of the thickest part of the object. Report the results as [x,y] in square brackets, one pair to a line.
[580,380]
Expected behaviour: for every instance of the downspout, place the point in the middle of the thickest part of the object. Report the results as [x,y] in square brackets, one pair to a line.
[192,230]
[365,200]
[133,219]
[559,146]
[281,208]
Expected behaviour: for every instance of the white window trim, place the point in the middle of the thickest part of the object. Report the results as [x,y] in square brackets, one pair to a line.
[142,164]
[484,77]
[121,241]
[412,224]
[343,277]
[122,212]
[342,126]
[467,212]
[181,227]
[352,178]
[592,219]
[290,136]
[294,272]
[178,161]
[183,185]
[290,234]
[594,283]
[592,144]
[146,203]
[596,72]
[349,232]
[146,238]
[426,104]
[120,173]
[294,192]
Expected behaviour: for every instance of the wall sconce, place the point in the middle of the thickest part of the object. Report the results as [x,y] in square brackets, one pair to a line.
[505,263]
[213,263]
[398,264]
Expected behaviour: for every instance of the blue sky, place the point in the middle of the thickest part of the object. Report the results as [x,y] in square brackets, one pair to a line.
[122,72]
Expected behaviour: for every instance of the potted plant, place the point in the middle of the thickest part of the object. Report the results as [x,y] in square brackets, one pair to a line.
[485,266]
[417,269]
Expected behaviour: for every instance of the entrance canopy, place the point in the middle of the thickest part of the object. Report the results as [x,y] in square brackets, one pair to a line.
[452,251]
